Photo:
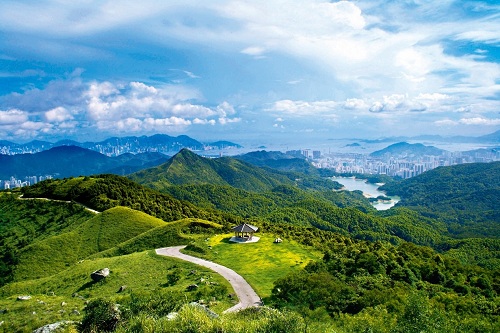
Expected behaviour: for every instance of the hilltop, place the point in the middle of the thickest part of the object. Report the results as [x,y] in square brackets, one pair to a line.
[408,149]
[187,167]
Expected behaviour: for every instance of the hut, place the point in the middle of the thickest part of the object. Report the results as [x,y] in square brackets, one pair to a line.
[244,232]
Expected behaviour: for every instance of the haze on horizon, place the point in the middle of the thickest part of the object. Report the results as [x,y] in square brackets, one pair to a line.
[248,70]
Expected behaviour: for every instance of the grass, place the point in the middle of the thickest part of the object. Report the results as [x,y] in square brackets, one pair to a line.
[260,263]
[140,272]
[99,233]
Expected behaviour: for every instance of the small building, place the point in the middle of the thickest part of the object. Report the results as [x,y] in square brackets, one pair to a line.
[244,232]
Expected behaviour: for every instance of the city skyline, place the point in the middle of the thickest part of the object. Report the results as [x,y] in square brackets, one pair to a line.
[248,71]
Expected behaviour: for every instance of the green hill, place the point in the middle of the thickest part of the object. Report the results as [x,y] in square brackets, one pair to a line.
[23,222]
[107,191]
[188,168]
[464,196]
[408,149]
[104,231]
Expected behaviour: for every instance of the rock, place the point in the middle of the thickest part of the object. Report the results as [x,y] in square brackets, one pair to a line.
[172,315]
[55,327]
[76,312]
[122,288]
[63,303]
[100,274]
[74,295]
[192,287]
[23,298]
[209,312]
[2,311]
[51,293]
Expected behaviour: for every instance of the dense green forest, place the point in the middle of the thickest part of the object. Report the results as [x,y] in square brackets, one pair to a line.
[412,268]
[347,213]
[464,196]
[188,168]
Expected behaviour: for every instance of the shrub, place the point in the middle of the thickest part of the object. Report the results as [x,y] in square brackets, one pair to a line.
[100,316]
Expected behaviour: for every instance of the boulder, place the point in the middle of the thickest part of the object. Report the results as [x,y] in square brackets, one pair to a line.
[55,327]
[122,288]
[23,298]
[100,274]
[192,287]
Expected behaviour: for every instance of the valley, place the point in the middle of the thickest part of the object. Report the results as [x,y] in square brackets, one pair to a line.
[342,265]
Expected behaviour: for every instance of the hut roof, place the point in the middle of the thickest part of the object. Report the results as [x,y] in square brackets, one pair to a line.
[245,228]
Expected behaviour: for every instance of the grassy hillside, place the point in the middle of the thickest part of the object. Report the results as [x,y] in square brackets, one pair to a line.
[23,222]
[465,197]
[107,191]
[261,263]
[103,231]
[145,275]
[175,233]
[188,168]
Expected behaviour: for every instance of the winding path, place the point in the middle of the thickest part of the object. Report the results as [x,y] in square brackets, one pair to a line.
[246,295]
[65,201]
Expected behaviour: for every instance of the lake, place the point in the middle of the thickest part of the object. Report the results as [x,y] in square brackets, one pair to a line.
[368,189]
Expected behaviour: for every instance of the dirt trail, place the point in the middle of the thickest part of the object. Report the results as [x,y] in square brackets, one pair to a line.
[66,201]
[246,295]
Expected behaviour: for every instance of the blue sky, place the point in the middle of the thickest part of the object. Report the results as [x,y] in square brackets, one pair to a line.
[246,71]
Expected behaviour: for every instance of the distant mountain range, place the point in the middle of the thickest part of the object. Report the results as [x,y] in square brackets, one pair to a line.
[115,146]
[67,161]
[488,138]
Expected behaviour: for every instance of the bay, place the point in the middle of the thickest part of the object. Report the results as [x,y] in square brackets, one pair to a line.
[369,190]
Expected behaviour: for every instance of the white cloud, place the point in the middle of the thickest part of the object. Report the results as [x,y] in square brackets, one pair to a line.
[255,51]
[303,108]
[13,117]
[112,108]
[224,121]
[377,107]
[354,103]
[480,121]
[58,115]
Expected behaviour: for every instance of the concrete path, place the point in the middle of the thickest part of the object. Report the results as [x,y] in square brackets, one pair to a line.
[247,296]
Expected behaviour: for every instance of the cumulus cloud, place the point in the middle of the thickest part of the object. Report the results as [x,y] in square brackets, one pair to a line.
[58,115]
[13,117]
[388,62]
[112,108]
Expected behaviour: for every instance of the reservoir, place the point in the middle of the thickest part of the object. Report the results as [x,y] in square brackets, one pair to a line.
[368,189]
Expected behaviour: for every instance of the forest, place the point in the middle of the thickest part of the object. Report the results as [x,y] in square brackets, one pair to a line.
[401,270]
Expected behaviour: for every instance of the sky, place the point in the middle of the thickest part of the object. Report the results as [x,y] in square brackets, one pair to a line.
[248,71]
